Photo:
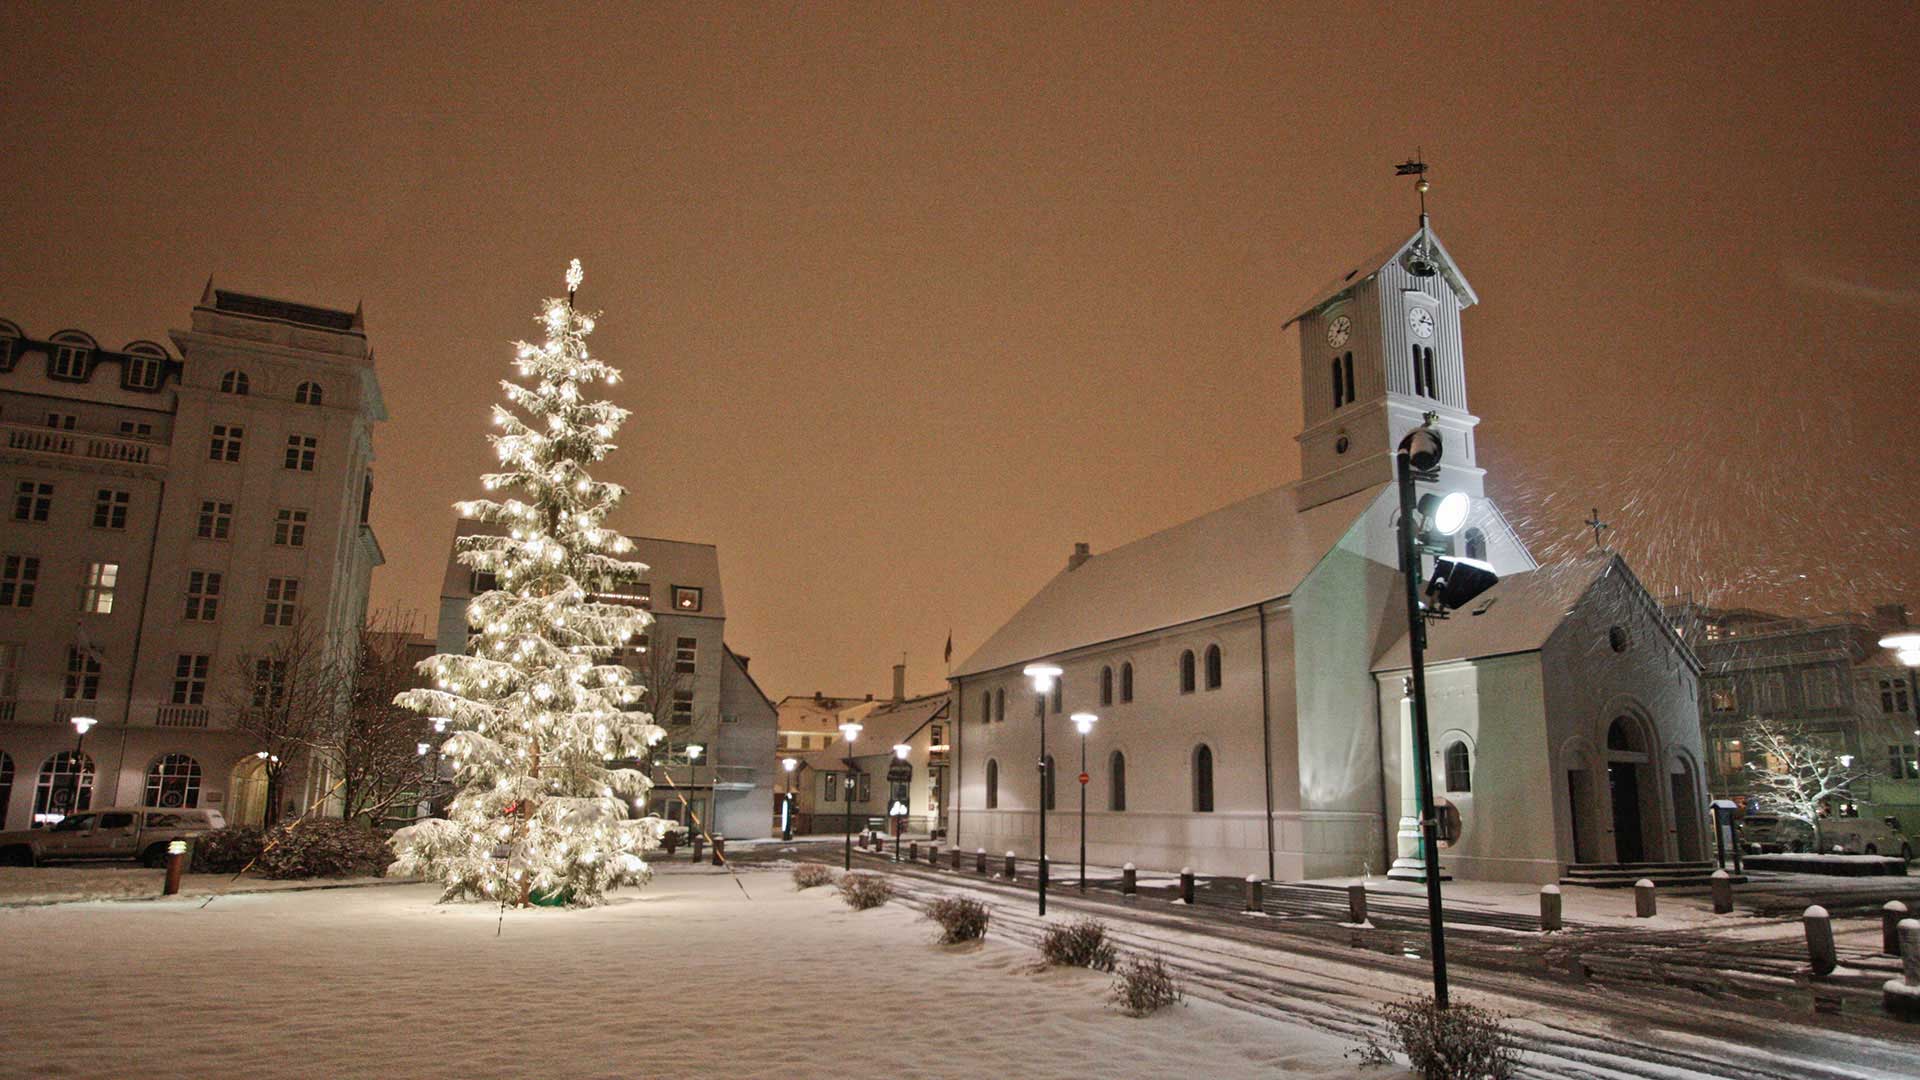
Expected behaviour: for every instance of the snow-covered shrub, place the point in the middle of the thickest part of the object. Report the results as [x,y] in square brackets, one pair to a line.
[960,919]
[1460,1042]
[811,875]
[1143,985]
[1080,943]
[227,851]
[323,847]
[863,891]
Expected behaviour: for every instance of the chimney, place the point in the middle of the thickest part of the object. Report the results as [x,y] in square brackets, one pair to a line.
[1081,553]
[900,682]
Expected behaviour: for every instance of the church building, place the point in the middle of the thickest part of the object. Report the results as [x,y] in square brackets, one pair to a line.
[1248,667]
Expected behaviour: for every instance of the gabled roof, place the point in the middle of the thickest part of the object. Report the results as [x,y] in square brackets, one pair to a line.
[1255,550]
[1379,261]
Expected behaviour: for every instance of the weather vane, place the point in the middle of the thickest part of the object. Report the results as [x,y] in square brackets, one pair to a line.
[1419,260]
[1599,527]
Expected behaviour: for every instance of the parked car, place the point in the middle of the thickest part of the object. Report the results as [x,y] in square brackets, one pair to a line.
[137,832]
[1772,834]
[1866,836]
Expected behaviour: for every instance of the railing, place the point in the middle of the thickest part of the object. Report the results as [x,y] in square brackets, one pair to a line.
[194,716]
[45,440]
[64,710]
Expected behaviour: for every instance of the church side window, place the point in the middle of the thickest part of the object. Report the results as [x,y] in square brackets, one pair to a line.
[1126,682]
[1339,389]
[1000,704]
[1459,768]
[986,706]
[1186,672]
[993,784]
[1203,779]
[1213,667]
[1106,685]
[1117,781]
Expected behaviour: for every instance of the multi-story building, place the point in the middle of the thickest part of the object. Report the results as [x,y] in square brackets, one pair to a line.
[720,727]
[809,722]
[173,513]
[1827,673]
[881,778]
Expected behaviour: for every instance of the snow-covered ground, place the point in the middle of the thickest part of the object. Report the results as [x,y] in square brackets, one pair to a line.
[21,885]
[691,977]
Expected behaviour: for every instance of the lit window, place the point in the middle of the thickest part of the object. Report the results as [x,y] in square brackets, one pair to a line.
[96,596]
[283,595]
[686,598]
[234,382]
[203,595]
[82,681]
[1721,696]
[110,509]
[19,576]
[290,528]
[190,678]
[300,452]
[173,781]
[225,445]
[32,501]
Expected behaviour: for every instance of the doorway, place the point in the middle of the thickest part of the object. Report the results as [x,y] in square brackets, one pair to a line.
[1687,814]
[1623,781]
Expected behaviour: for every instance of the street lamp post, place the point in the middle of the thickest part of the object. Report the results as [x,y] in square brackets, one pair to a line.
[786,819]
[850,729]
[1083,723]
[81,724]
[898,808]
[1043,676]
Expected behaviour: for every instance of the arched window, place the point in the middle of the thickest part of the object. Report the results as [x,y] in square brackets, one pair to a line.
[1059,688]
[1203,779]
[1426,360]
[1046,782]
[307,394]
[1339,397]
[6,786]
[1213,667]
[1186,672]
[174,781]
[141,371]
[1106,686]
[986,706]
[72,354]
[1117,781]
[1459,768]
[1000,704]
[234,382]
[66,786]
[1126,681]
[1476,544]
[1348,360]
[1419,374]
[993,784]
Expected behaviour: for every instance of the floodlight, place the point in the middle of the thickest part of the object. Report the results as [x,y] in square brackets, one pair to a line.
[1457,581]
[1443,515]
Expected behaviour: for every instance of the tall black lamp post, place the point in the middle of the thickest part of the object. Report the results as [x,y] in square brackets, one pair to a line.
[1043,676]
[786,819]
[1083,723]
[81,724]
[850,729]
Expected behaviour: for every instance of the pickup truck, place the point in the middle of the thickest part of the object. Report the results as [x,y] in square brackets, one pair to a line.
[135,832]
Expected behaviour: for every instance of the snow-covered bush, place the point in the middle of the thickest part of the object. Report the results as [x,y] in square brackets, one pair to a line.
[811,876]
[1460,1042]
[960,919]
[227,851]
[323,847]
[863,891]
[1080,943]
[1143,986]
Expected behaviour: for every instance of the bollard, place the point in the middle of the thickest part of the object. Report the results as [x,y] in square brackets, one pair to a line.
[1722,892]
[1891,915]
[1186,885]
[979,860]
[671,841]
[719,849]
[1357,903]
[956,860]
[1129,881]
[697,841]
[1010,867]
[1643,906]
[1252,895]
[913,852]
[1549,908]
[1902,995]
[176,865]
[1820,941]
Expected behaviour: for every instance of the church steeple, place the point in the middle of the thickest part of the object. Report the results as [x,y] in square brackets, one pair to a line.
[1379,350]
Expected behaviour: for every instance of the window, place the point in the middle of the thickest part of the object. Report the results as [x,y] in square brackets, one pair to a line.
[190,679]
[686,655]
[1203,779]
[234,382]
[1893,696]
[1126,682]
[686,598]
[1728,758]
[203,595]
[1423,381]
[19,575]
[32,501]
[1347,362]
[1213,667]
[9,672]
[1903,762]
[1721,697]
[1476,545]
[82,682]
[96,595]
[683,706]
[66,785]
[993,784]
[173,781]
[1773,692]
[62,421]
[1822,686]
[226,442]
[1059,690]
[865,793]
[482,581]
[1459,768]
[70,362]
[986,706]
[1046,782]
[1186,672]
[1000,704]
[141,371]
[216,520]
[829,787]
[1106,686]
[283,594]
[136,430]
[308,393]
[1117,781]
[110,508]
[290,528]
[6,762]
[269,683]
[300,452]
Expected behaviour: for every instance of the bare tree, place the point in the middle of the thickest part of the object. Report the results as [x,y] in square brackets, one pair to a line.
[372,743]
[1796,772]
[282,696]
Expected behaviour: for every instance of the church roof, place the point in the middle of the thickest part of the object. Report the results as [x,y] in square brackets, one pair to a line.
[1255,550]
[1378,261]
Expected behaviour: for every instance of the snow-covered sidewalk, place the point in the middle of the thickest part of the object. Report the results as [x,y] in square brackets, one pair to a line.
[26,886]
[687,978]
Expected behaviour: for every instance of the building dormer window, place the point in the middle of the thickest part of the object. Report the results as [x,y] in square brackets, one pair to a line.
[307,394]
[70,362]
[141,370]
[234,382]
[9,344]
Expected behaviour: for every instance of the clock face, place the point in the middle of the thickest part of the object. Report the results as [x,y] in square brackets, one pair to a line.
[1339,330]
[1421,320]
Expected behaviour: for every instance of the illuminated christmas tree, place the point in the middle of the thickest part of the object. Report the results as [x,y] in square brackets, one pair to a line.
[540,707]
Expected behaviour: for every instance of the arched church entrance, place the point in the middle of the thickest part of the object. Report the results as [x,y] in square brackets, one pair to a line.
[1631,784]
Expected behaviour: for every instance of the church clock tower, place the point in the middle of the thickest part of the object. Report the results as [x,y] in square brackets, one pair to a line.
[1379,352]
